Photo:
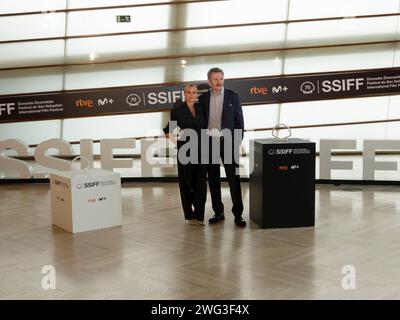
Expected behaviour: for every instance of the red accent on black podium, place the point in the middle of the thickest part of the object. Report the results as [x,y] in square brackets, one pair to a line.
[282,184]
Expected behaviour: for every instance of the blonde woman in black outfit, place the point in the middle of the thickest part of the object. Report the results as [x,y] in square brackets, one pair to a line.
[192,175]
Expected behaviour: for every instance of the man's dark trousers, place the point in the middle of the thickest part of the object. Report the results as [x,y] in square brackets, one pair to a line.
[214,181]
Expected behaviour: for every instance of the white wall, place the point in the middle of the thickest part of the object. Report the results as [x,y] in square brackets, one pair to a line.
[139,46]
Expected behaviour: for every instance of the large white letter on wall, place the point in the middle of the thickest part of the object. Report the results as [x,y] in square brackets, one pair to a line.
[87,150]
[50,162]
[325,161]
[369,163]
[10,165]
[106,150]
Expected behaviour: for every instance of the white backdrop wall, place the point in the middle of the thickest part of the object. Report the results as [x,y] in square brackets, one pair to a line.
[143,46]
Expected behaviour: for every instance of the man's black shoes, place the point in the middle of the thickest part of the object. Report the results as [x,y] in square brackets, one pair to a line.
[216,218]
[239,221]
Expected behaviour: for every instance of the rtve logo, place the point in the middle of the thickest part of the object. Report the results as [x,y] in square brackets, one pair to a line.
[9,107]
[88,103]
[259,90]
[84,103]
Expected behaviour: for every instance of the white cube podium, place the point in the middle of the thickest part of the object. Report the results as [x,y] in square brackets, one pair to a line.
[85,200]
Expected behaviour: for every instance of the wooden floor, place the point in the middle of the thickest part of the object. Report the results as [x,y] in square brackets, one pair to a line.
[156,255]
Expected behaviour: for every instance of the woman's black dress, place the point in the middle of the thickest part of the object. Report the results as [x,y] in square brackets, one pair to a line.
[192,176]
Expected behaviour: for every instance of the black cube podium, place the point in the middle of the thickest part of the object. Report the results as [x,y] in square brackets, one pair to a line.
[282,183]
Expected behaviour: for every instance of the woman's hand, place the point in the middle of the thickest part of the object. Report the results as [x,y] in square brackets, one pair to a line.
[171,137]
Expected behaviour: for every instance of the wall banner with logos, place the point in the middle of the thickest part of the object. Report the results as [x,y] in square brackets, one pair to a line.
[151,98]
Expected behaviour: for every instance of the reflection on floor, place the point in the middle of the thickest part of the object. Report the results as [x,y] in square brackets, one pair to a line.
[156,255]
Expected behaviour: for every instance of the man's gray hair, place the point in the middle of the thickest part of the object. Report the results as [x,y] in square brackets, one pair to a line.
[214,70]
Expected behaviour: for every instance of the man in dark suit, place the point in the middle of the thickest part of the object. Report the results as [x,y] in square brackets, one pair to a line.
[223,114]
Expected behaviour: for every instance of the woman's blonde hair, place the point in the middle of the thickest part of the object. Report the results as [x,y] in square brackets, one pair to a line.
[190,85]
